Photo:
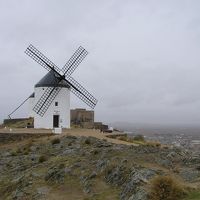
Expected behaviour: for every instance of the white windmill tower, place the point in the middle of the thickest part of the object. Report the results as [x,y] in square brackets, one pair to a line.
[50,102]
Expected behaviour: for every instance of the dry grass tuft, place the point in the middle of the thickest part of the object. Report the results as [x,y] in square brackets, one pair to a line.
[165,188]
[42,159]
[55,141]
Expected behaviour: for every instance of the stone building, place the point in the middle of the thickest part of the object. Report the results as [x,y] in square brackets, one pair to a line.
[82,118]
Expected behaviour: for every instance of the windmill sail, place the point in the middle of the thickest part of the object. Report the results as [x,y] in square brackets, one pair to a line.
[40,58]
[74,61]
[45,100]
[81,92]
[50,93]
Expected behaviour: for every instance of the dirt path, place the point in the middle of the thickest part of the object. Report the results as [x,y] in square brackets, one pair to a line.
[95,133]
[75,132]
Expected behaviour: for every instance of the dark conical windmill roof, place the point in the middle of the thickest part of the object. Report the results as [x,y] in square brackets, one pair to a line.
[51,80]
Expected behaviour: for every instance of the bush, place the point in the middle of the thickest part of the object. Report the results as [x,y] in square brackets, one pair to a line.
[87,141]
[139,138]
[55,141]
[95,152]
[153,144]
[165,188]
[42,158]
[18,151]
[123,138]
[13,153]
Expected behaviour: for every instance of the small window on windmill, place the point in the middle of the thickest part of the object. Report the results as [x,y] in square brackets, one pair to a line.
[56,103]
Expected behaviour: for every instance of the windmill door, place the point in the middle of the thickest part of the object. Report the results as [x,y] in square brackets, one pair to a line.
[55,121]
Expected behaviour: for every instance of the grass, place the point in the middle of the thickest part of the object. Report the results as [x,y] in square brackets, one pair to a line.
[193,196]
[19,124]
[139,139]
[25,149]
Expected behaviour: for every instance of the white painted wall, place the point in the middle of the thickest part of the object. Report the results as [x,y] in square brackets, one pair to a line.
[63,109]
[30,107]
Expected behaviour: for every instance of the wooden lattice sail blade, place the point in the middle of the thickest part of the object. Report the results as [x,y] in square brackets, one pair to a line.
[74,61]
[81,92]
[40,58]
[45,100]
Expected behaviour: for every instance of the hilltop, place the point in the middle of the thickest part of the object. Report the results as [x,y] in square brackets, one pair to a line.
[77,165]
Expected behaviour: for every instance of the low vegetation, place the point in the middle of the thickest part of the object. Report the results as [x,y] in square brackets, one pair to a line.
[87,141]
[55,141]
[165,188]
[138,139]
[195,195]
[42,158]
[70,167]
[18,123]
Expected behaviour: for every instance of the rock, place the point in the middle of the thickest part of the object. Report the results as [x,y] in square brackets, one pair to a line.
[33,157]
[76,165]
[6,154]
[68,151]
[189,174]
[87,189]
[116,175]
[43,190]
[18,194]
[101,164]
[86,184]
[34,174]
[101,144]
[171,155]
[124,161]
[165,163]
[67,170]
[55,174]
[92,175]
[137,178]
[139,195]
[34,148]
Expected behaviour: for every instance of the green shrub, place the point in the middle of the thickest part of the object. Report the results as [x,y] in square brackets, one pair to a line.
[165,188]
[55,141]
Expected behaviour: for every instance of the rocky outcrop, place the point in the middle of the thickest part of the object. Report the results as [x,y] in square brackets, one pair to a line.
[90,164]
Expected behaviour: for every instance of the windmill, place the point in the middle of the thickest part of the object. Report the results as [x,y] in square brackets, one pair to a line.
[55,87]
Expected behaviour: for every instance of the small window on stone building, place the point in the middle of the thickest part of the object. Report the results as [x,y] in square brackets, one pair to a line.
[56,103]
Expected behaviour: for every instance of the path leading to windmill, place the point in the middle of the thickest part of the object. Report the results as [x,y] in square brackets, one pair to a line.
[75,132]
[97,134]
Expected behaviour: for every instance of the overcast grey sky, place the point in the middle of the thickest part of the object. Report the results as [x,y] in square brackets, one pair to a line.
[143,63]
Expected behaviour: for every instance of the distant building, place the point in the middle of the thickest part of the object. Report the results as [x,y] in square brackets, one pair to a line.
[100,125]
[82,118]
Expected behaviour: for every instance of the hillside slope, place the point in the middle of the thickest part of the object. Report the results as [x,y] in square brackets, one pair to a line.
[88,168]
